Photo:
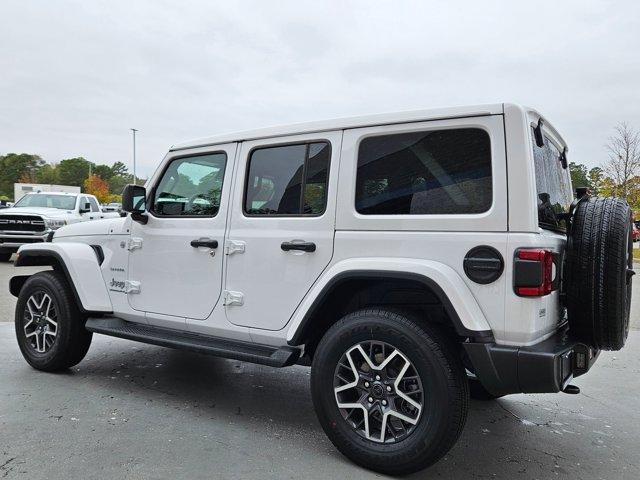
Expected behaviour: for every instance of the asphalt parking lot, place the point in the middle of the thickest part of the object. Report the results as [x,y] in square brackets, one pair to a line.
[131,411]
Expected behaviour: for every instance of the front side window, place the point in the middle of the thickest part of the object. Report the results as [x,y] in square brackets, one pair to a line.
[288,180]
[428,172]
[191,186]
[63,202]
[553,185]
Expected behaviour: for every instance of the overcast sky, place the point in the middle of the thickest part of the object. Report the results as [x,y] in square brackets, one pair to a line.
[76,75]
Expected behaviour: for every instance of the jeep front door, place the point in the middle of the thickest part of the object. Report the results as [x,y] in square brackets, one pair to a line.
[175,260]
[282,226]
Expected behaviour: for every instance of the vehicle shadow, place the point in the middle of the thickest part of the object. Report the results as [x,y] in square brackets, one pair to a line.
[498,440]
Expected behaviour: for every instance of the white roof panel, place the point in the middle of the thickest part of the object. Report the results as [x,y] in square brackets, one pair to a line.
[344,123]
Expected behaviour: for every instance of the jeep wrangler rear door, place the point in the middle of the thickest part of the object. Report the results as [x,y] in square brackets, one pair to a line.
[175,260]
[282,226]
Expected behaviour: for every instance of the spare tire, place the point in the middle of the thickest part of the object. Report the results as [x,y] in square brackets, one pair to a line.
[599,267]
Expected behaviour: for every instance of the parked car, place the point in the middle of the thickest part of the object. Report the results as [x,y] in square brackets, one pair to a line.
[5,204]
[411,259]
[37,215]
[112,207]
[635,233]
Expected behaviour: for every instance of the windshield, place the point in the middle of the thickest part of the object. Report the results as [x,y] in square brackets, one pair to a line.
[63,202]
[553,184]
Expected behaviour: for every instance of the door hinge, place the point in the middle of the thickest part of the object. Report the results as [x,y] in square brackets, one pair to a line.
[233,298]
[131,286]
[234,246]
[133,243]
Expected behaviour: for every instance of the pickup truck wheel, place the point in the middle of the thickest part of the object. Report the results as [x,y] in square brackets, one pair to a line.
[49,326]
[391,394]
[5,256]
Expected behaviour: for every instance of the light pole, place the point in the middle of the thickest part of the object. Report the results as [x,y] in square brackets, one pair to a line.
[134,155]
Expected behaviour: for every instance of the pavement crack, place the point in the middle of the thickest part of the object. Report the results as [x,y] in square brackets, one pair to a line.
[520,419]
[4,466]
[553,455]
[599,402]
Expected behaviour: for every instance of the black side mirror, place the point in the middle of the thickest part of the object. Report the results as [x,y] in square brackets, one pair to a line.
[86,208]
[134,201]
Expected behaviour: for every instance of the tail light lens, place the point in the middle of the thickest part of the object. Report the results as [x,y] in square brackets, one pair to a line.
[533,272]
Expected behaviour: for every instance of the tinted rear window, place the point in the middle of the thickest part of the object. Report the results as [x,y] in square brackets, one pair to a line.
[288,180]
[553,185]
[430,172]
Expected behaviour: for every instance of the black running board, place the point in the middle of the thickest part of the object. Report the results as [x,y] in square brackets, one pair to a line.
[220,347]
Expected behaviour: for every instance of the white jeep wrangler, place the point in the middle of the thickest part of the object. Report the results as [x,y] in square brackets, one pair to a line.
[409,258]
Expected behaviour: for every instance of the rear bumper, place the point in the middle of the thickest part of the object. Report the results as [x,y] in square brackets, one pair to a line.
[546,367]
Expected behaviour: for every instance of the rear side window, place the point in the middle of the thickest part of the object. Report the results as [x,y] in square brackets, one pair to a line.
[288,180]
[94,204]
[418,173]
[553,185]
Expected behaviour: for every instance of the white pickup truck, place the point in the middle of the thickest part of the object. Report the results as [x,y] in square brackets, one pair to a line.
[37,215]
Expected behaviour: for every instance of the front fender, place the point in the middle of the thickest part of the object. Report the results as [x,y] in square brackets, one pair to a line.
[442,279]
[79,263]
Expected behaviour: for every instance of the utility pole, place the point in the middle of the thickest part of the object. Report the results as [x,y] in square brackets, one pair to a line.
[134,155]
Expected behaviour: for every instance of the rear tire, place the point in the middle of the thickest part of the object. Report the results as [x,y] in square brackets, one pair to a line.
[441,391]
[49,326]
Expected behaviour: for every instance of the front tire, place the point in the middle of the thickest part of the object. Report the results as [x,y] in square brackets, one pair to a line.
[405,378]
[49,326]
[5,256]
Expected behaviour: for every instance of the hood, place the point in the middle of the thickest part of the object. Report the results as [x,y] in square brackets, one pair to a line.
[43,211]
[107,226]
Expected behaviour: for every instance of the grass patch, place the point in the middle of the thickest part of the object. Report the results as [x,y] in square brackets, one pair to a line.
[636,254]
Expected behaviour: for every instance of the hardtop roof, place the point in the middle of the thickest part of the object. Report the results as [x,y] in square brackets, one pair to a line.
[344,123]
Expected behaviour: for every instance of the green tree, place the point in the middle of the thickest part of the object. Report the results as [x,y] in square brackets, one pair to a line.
[14,166]
[608,188]
[73,171]
[105,172]
[118,182]
[596,178]
[47,174]
[119,168]
[118,178]
[579,175]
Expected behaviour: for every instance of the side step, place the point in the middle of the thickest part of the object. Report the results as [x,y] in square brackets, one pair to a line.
[220,347]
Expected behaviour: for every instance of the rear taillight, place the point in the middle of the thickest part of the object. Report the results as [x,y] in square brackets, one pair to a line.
[533,272]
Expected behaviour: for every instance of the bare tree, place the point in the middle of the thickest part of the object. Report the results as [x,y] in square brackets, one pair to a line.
[624,158]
